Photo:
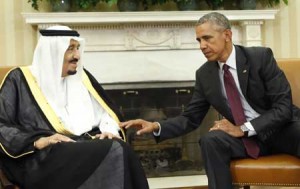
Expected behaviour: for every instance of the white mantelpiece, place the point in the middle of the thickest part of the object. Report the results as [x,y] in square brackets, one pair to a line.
[140,17]
[134,47]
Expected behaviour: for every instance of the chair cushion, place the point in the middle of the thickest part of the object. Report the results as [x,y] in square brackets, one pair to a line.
[281,170]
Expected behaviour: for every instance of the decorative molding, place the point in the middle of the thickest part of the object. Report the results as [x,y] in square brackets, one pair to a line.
[155,42]
[252,32]
[152,38]
[140,17]
[136,30]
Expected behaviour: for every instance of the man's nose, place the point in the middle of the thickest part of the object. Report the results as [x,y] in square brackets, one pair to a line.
[203,45]
[76,54]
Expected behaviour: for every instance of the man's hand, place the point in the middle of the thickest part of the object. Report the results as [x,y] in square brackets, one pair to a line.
[107,135]
[227,127]
[141,125]
[53,139]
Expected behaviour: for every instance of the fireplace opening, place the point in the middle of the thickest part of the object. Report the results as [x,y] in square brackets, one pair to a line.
[174,157]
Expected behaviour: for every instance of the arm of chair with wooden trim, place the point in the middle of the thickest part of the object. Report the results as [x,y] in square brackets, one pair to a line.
[273,170]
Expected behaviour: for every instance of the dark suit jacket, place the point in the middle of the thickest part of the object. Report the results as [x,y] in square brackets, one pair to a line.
[263,84]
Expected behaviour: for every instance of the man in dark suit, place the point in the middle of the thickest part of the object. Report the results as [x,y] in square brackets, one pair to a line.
[245,85]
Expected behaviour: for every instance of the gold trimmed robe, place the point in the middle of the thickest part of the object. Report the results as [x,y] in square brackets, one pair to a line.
[26,116]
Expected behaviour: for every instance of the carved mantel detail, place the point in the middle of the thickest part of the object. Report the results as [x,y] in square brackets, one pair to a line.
[149,30]
[163,40]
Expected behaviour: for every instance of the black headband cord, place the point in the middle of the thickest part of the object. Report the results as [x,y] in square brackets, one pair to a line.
[59,33]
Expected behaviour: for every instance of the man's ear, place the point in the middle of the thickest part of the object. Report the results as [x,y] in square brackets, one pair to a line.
[228,35]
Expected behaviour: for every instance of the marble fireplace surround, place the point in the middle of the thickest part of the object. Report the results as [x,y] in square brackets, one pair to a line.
[148,49]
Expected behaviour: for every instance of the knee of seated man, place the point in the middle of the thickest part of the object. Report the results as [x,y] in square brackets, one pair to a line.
[213,138]
[122,143]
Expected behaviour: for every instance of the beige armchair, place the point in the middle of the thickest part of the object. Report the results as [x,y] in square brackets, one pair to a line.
[274,170]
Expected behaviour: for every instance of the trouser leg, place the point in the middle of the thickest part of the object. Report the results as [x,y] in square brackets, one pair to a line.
[218,148]
[287,140]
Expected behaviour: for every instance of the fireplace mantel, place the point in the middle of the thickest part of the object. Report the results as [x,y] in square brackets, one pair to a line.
[160,44]
[140,17]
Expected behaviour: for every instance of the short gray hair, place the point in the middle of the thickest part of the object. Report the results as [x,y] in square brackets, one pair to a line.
[216,18]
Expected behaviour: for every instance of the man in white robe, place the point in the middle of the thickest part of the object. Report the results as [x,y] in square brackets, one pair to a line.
[58,128]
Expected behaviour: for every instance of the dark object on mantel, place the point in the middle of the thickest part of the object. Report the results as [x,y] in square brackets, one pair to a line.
[188,5]
[247,4]
[60,6]
[128,5]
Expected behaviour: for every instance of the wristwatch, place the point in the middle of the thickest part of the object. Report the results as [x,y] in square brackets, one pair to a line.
[245,130]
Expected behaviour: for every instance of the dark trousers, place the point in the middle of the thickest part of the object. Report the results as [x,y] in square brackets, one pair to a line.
[218,149]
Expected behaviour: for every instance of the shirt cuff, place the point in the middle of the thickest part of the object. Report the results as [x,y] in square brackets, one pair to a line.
[251,131]
[159,130]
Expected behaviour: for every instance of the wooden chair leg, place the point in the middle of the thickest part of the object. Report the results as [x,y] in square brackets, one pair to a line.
[5,183]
